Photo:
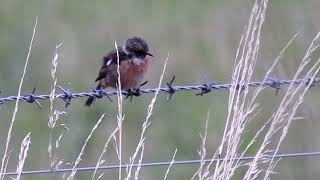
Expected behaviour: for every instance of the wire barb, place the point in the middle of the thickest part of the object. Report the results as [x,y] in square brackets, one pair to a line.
[275,83]
[206,89]
[171,90]
[241,88]
[32,99]
[310,81]
[67,95]
[1,101]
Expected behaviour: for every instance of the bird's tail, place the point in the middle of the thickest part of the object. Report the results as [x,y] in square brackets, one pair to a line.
[91,99]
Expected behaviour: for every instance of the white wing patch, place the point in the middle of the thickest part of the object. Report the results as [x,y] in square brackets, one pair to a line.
[109,62]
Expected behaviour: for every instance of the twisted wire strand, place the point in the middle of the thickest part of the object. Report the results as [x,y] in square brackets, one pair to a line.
[67,95]
[162,163]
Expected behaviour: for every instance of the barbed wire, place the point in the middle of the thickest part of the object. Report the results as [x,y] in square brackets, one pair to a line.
[162,163]
[67,94]
[205,88]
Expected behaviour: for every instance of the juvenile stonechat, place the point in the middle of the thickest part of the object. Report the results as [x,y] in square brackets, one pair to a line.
[134,60]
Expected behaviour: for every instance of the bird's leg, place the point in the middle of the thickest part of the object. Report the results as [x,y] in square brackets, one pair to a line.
[135,91]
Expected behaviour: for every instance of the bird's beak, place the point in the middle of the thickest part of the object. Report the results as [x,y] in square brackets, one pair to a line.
[149,54]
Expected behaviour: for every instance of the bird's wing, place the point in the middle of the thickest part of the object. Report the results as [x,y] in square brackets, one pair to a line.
[110,60]
[102,73]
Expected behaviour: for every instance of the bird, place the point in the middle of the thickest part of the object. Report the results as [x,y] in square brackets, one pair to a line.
[134,59]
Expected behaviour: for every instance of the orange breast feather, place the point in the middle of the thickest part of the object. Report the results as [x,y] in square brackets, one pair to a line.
[131,74]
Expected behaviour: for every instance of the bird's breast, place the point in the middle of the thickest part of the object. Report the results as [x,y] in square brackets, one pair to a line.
[132,73]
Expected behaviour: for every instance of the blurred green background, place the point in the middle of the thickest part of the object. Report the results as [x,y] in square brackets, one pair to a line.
[201,38]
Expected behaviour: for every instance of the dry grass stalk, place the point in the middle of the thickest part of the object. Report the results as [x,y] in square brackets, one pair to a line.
[74,171]
[201,174]
[54,115]
[136,173]
[146,123]
[240,106]
[171,163]
[120,115]
[16,107]
[104,150]
[285,114]
[23,154]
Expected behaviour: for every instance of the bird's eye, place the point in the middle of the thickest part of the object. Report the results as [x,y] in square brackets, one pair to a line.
[140,54]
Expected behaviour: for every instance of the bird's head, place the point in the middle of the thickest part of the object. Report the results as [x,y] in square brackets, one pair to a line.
[137,48]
